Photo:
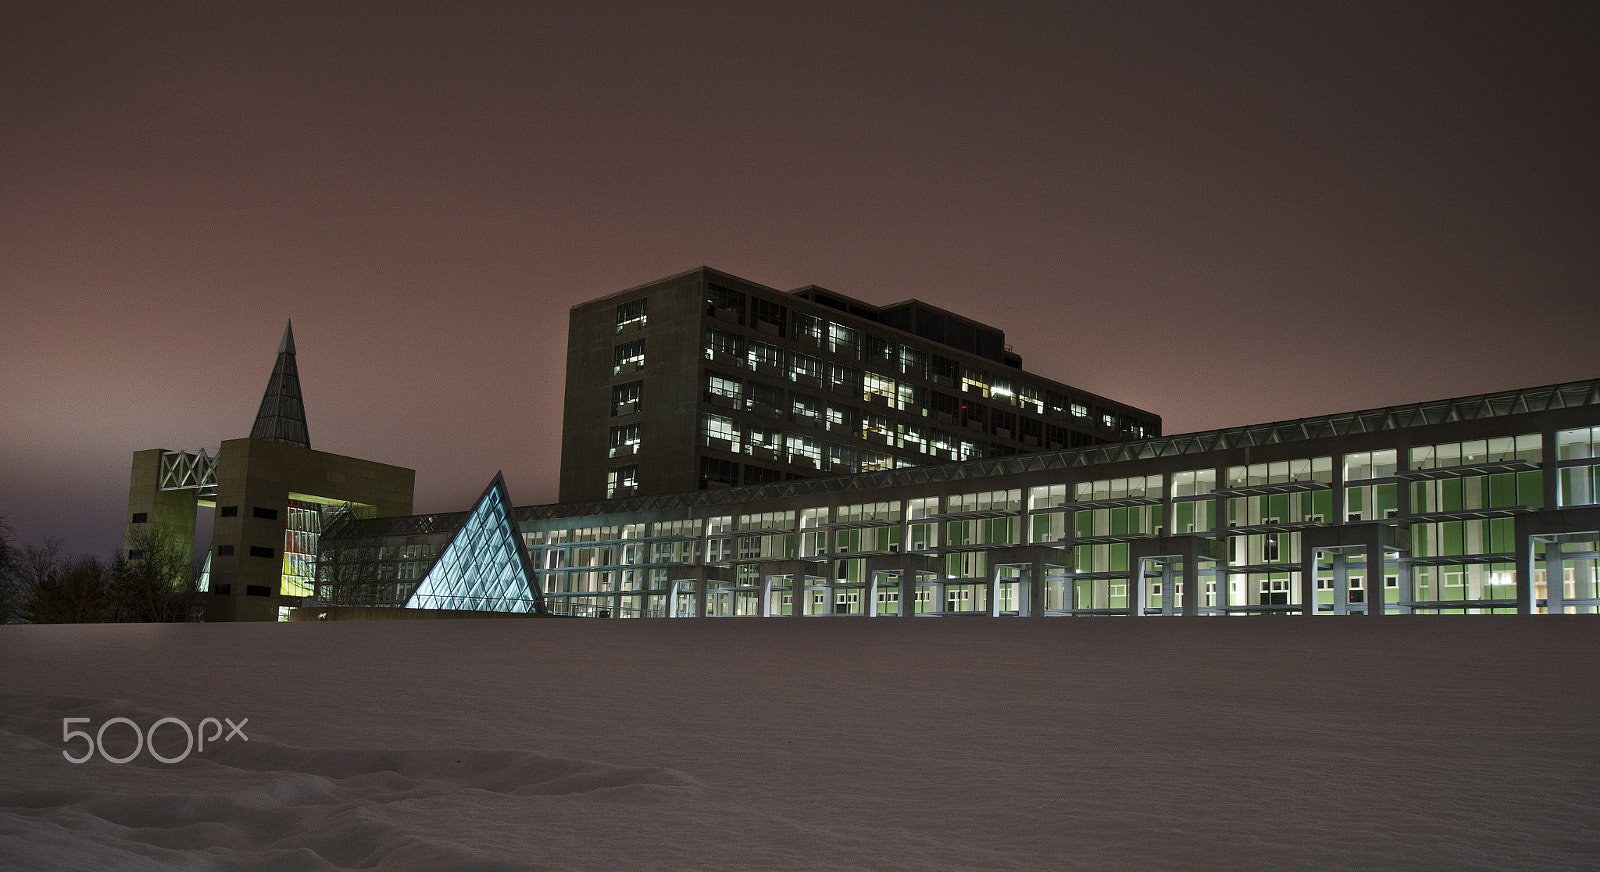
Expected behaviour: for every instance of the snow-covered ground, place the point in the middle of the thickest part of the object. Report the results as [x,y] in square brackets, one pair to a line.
[1448,743]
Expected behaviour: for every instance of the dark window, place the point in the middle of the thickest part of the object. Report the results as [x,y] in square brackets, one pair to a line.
[223,589]
[228,511]
[141,517]
[135,554]
[719,471]
[900,318]
[944,367]
[721,298]
[225,550]
[930,325]
[760,475]
[945,404]
[768,312]
[990,344]
[261,551]
[1000,419]
[258,590]
[960,334]
[766,395]
[268,514]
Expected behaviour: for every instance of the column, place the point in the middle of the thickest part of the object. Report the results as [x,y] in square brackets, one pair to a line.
[1308,579]
[1555,579]
[1376,594]
[1193,586]
[1527,602]
[1341,583]
[1037,578]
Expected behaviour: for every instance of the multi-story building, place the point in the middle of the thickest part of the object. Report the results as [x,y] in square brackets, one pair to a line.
[705,380]
[1478,504]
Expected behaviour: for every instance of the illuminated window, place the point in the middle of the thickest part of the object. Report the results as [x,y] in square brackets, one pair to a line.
[874,386]
[630,314]
[718,386]
[720,342]
[720,432]
[844,340]
[628,355]
[622,480]
[804,366]
[625,398]
[765,354]
[624,440]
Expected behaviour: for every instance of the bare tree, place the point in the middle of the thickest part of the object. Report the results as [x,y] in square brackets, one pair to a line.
[349,575]
[53,589]
[10,607]
[157,586]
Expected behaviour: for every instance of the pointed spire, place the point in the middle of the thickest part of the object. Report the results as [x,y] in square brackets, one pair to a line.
[282,417]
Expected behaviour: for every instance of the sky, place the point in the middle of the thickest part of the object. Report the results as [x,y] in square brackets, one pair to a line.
[1225,213]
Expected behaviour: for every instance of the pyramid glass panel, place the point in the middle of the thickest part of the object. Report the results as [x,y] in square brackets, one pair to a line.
[482,567]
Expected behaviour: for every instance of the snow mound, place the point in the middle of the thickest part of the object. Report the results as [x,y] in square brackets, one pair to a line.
[256,804]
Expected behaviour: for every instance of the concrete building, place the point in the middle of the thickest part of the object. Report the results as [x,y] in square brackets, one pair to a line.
[1471,505]
[272,494]
[704,380]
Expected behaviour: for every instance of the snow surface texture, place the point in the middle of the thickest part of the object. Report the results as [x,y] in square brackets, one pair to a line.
[1448,743]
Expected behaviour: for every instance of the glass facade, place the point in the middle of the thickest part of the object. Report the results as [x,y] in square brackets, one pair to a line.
[483,567]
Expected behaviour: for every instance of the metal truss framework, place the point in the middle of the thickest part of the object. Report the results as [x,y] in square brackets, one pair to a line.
[190,469]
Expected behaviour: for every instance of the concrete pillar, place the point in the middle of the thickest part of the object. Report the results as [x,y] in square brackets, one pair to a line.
[1527,601]
[1193,586]
[1376,594]
[1555,579]
[1341,584]
[1308,580]
[1169,597]
[1337,496]
[870,607]
[1136,589]
[1550,463]
[1583,585]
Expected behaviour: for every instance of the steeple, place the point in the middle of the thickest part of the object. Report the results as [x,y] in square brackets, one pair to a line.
[283,414]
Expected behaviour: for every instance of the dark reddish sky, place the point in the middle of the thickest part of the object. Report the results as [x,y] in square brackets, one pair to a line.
[1225,213]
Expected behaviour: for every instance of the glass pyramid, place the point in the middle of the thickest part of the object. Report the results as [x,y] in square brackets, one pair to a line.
[483,567]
